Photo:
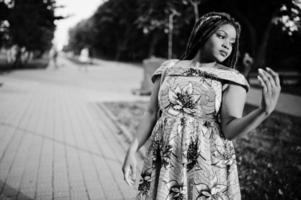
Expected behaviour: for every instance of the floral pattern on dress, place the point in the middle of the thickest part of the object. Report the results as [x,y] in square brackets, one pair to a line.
[182,100]
[223,156]
[145,182]
[214,191]
[190,158]
[193,155]
[176,191]
[166,154]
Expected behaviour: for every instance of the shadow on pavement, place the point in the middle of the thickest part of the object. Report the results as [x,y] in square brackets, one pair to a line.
[26,131]
[9,193]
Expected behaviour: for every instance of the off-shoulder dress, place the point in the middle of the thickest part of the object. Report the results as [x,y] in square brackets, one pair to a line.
[189,156]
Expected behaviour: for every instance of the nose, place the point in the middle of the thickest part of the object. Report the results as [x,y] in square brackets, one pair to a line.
[226,44]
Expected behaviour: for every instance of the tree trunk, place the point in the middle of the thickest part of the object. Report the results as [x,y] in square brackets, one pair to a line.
[252,38]
[196,9]
[122,44]
[170,33]
[153,43]
[18,60]
[27,53]
[170,36]
[118,52]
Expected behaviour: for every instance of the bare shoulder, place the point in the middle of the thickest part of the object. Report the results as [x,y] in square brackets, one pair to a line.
[234,96]
[234,99]
[235,90]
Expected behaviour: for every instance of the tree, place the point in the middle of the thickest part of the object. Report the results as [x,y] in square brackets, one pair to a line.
[114,27]
[81,35]
[4,24]
[195,4]
[31,25]
[158,17]
[140,29]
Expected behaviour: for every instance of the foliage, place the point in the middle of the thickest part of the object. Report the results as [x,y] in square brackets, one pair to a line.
[32,24]
[127,30]
[27,26]
[138,29]
[289,19]
[113,31]
[81,36]
[153,15]
[4,24]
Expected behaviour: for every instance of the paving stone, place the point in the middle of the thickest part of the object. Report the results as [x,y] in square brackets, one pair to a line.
[49,151]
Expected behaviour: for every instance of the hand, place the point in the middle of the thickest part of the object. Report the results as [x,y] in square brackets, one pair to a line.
[269,80]
[129,168]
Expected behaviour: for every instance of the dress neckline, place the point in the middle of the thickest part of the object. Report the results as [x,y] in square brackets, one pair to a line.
[199,65]
[205,65]
[211,66]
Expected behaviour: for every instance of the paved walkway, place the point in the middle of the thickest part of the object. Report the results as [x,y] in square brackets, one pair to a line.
[55,142]
[288,103]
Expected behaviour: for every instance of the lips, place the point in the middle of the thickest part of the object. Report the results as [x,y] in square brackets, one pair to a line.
[223,53]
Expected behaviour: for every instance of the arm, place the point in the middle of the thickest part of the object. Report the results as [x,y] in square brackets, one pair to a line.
[233,124]
[148,121]
[144,131]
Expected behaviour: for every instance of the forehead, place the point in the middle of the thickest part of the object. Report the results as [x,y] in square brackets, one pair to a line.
[229,29]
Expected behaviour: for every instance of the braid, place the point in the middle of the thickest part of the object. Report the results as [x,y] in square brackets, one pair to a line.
[204,27]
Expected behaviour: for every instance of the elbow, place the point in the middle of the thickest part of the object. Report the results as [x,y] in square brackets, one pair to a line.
[231,133]
[228,135]
[228,129]
[151,114]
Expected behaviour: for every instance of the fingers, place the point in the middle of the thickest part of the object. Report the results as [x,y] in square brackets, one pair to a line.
[275,76]
[129,173]
[262,83]
[126,172]
[133,173]
[270,78]
[270,82]
[266,81]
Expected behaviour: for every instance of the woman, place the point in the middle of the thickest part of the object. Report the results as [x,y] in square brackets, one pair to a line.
[201,99]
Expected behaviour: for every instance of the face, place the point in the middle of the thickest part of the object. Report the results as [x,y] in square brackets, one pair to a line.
[219,46]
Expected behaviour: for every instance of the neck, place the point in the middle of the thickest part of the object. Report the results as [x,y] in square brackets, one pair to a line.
[201,60]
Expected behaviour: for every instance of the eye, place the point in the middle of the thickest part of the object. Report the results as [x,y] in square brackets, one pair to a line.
[221,36]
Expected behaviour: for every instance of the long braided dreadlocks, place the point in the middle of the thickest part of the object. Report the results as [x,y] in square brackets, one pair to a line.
[202,31]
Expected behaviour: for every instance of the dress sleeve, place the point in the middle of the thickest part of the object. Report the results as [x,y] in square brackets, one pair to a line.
[166,64]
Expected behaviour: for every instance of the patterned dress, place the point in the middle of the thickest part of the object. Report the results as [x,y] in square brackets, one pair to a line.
[189,157]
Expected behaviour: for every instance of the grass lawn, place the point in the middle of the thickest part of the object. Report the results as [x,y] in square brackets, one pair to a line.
[269,158]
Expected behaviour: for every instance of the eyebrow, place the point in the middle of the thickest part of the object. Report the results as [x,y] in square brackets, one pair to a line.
[233,38]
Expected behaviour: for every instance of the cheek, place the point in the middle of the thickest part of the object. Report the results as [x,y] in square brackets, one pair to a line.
[231,51]
[211,47]
[215,44]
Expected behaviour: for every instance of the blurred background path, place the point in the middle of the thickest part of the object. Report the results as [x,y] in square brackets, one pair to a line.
[57,143]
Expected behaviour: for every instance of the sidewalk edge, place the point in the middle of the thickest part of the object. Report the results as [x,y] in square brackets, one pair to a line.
[123,129]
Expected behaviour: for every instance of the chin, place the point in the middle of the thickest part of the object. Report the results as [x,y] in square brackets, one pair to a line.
[220,58]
